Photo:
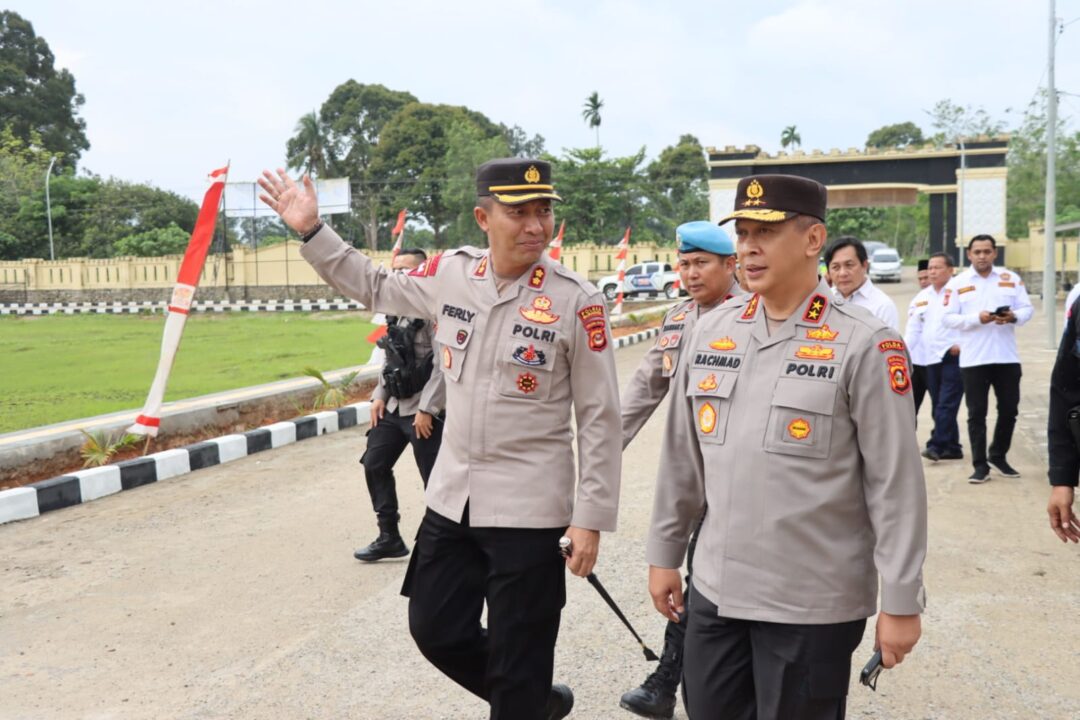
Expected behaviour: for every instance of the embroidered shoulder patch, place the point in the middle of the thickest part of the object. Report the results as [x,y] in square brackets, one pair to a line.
[899,380]
[536,279]
[890,345]
[967,289]
[428,268]
[595,323]
[751,308]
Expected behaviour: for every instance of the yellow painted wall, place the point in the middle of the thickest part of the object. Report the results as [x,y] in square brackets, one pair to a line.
[276,265]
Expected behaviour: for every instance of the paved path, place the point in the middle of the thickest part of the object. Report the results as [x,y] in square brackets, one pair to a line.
[232,593]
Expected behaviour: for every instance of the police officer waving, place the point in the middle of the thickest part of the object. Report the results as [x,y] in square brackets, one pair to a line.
[523,341]
[405,410]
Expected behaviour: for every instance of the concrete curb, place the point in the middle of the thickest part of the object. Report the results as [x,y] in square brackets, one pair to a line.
[83,486]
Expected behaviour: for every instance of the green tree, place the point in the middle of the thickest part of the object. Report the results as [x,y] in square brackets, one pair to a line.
[308,150]
[590,112]
[678,186]
[602,196]
[898,135]
[354,116]
[412,160]
[171,240]
[467,148]
[34,96]
[22,173]
[790,137]
[520,144]
[954,122]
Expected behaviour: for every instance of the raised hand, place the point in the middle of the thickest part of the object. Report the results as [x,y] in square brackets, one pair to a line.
[298,206]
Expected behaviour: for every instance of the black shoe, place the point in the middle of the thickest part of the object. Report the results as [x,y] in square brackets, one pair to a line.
[980,476]
[954,455]
[560,702]
[387,545]
[1004,468]
[931,454]
[656,696]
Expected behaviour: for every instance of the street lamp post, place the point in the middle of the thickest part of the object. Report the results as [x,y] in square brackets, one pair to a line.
[48,207]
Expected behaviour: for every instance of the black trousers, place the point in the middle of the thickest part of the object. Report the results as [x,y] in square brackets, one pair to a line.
[675,632]
[946,391]
[1005,379]
[919,385]
[385,443]
[749,670]
[519,573]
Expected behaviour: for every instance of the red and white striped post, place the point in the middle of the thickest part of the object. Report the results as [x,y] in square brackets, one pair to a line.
[624,245]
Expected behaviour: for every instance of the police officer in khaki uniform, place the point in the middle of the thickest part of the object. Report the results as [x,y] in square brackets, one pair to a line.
[707,272]
[406,409]
[524,342]
[795,427]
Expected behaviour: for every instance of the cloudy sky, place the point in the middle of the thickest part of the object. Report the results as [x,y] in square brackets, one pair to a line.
[176,89]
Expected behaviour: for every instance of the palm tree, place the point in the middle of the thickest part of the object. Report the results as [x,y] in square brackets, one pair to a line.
[791,137]
[308,150]
[591,114]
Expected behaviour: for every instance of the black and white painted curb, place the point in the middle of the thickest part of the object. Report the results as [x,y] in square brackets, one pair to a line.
[85,485]
[132,308]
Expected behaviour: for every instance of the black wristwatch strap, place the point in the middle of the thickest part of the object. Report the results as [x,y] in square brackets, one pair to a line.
[311,233]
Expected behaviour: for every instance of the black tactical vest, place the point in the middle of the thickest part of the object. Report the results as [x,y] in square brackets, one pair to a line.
[404,374]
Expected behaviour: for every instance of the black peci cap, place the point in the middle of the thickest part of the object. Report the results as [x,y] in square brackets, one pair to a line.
[924,264]
[776,198]
[513,181]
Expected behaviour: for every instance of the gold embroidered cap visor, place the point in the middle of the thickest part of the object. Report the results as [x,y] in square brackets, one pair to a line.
[513,181]
[776,198]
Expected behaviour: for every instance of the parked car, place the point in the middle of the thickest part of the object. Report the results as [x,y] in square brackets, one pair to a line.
[885,266]
[648,277]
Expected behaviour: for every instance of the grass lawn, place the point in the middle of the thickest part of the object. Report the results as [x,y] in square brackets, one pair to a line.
[63,367]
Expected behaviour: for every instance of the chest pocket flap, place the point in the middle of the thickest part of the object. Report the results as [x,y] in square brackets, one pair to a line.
[801,418]
[454,339]
[710,393]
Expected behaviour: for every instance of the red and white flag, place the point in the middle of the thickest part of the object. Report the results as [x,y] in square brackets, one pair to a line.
[624,245]
[556,244]
[187,280]
[377,355]
[399,233]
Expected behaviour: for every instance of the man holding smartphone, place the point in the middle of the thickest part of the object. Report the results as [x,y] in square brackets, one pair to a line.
[985,304]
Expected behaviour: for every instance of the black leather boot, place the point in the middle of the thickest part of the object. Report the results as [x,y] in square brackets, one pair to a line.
[388,545]
[656,696]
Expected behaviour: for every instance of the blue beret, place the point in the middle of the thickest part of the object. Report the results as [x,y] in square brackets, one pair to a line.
[702,235]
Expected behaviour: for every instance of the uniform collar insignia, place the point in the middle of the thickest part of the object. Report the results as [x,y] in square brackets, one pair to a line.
[751,308]
[537,276]
[815,309]
[481,267]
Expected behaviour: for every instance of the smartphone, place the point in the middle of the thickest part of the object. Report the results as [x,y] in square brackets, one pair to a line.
[870,672]
[1002,309]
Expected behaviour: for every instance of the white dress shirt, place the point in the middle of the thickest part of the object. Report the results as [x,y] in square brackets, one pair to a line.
[878,303]
[967,295]
[925,331]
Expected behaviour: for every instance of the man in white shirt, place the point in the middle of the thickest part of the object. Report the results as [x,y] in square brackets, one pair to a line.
[848,264]
[941,347]
[914,338]
[985,303]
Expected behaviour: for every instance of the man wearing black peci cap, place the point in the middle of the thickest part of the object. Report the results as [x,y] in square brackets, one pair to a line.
[523,341]
[792,423]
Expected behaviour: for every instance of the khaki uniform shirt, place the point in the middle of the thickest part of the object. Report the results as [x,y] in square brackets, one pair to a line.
[653,376]
[432,397]
[802,446]
[513,365]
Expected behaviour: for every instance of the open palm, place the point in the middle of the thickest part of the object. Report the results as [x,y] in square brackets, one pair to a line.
[297,205]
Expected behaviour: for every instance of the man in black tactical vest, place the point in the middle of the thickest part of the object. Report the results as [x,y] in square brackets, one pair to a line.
[406,409]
